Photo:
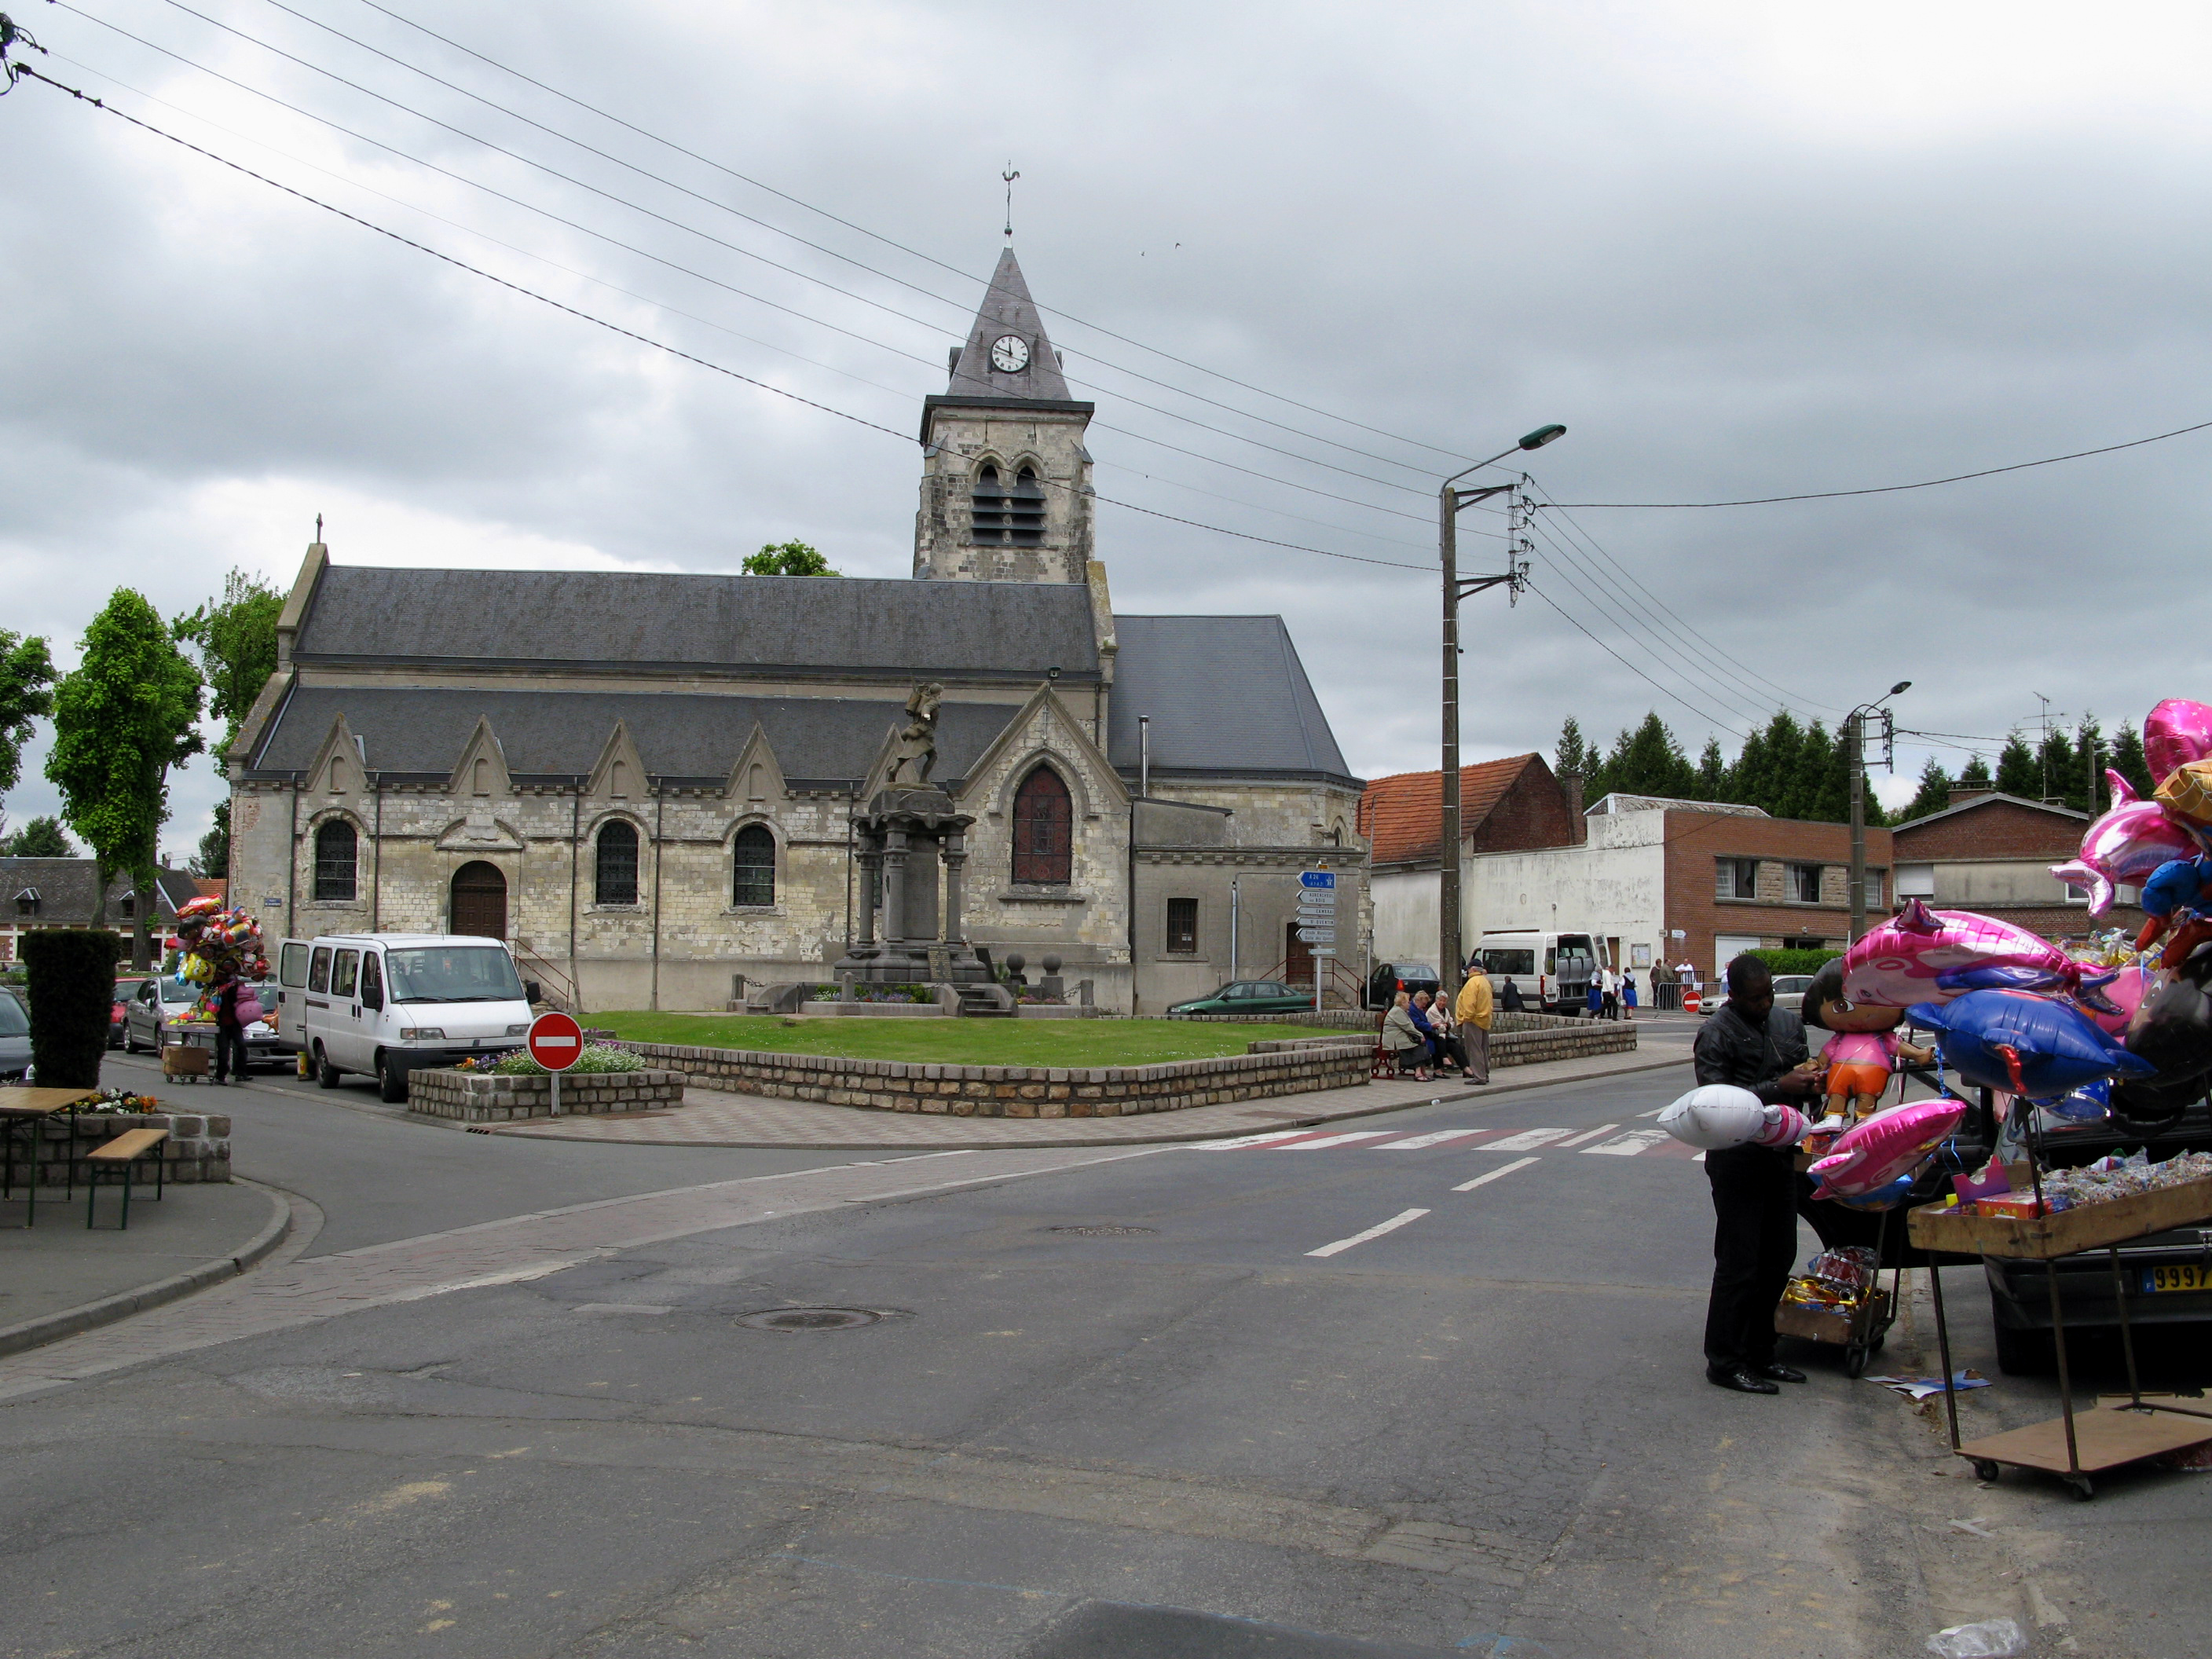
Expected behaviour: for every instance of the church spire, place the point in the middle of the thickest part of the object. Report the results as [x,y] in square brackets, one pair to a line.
[1007,354]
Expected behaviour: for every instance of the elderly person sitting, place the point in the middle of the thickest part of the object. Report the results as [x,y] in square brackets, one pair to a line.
[1432,1016]
[1404,1040]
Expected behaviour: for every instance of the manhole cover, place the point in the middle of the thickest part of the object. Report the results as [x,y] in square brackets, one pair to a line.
[809,1319]
[1103,1232]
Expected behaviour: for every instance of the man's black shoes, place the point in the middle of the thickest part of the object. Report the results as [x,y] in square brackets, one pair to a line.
[1742,1380]
[1774,1373]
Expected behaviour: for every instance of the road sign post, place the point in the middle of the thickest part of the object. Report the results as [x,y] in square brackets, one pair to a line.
[556,1042]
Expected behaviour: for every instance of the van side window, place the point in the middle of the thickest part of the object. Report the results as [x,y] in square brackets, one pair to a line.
[343,973]
[319,973]
[372,980]
[292,965]
[1551,961]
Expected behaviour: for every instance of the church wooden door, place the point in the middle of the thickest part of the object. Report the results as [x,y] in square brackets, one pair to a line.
[480,901]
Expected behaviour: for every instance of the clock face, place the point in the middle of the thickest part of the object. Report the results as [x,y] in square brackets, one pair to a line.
[1011,353]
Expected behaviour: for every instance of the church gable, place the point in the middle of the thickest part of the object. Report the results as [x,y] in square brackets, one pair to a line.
[337,770]
[618,776]
[480,772]
[1044,732]
[755,782]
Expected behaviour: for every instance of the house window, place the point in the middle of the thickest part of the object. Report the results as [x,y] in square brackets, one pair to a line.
[992,514]
[1874,901]
[753,859]
[1737,878]
[1915,881]
[1805,883]
[127,906]
[1183,927]
[337,850]
[614,864]
[1044,830]
[1026,511]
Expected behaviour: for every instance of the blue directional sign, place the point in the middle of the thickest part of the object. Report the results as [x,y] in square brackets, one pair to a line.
[1316,878]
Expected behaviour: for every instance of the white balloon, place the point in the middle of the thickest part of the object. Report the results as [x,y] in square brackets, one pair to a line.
[1716,1116]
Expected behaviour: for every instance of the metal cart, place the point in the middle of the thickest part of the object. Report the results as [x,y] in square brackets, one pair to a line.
[1860,1327]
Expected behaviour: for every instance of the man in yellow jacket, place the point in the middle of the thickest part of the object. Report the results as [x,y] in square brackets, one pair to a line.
[1473,1010]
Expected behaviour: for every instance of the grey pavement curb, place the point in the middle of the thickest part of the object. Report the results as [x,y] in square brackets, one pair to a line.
[1480,1092]
[71,1322]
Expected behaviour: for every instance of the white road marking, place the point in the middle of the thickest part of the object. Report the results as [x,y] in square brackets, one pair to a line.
[1240,1142]
[1700,1158]
[1589,1134]
[1654,1112]
[1502,1169]
[1635,1141]
[1527,1141]
[1335,1140]
[1375,1232]
[1411,1142]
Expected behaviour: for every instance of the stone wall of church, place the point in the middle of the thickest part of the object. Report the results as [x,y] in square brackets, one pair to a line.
[1049,441]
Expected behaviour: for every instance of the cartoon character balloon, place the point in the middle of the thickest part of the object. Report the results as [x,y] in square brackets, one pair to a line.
[1873,1155]
[2036,1047]
[1921,955]
[2124,847]
[1719,1115]
[2175,732]
[1863,1049]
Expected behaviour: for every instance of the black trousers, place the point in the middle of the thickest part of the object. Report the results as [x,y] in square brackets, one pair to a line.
[1754,1246]
[229,1051]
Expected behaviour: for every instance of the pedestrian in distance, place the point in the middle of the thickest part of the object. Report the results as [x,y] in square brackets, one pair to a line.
[229,1033]
[1403,1039]
[1611,983]
[1594,997]
[1473,1013]
[1753,1044]
[1628,995]
[1510,999]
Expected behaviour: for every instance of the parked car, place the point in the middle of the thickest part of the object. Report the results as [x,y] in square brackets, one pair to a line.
[1789,992]
[1391,978]
[364,999]
[126,990]
[15,1037]
[1250,996]
[153,1011]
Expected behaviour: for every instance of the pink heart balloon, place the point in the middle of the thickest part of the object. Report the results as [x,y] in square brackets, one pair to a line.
[2175,732]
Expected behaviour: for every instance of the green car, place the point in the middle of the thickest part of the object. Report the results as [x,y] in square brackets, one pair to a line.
[1250,996]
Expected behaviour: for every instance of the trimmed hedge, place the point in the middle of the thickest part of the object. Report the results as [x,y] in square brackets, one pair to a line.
[72,986]
[1795,962]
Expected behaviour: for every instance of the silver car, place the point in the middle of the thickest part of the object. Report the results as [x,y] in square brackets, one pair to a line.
[1790,991]
[15,1037]
[148,1017]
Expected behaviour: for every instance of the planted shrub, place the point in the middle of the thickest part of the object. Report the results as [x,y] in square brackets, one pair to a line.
[597,1057]
[72,992]
[1795,962]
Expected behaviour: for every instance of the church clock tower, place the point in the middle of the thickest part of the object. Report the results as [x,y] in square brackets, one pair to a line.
[1006,482]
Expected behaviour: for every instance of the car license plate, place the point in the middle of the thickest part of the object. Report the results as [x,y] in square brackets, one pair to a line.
[2193,1278]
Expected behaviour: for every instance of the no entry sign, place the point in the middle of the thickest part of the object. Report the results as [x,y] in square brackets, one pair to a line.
[556,1042]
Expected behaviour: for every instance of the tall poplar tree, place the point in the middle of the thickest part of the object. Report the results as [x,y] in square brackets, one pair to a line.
[1934,792]
[2128,760]
[26,674]
[236,636]
[128,714]
[2017,771]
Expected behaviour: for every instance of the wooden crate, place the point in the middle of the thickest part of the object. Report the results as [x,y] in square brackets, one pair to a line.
[183,1059]
[1836,1325]
[2086,1227]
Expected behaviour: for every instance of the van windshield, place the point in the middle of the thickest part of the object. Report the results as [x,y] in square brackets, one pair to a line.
[453,972]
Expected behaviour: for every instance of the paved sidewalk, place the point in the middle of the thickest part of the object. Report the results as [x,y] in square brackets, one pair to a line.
[711,1117]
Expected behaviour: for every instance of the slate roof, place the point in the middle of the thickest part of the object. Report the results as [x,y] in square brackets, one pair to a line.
[1227,696]
[66,888]
[1007,309]
[1994,797]
[1403,815]
[421,733]
[628,620]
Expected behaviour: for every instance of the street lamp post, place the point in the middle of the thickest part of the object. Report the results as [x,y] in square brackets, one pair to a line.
[1449,501]
[1856,720]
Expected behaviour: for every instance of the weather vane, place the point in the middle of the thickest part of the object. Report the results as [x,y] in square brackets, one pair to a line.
[1010,175]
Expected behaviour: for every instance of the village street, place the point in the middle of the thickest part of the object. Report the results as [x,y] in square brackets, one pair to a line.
[1102,1385]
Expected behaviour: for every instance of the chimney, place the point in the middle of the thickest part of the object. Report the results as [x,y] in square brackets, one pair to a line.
[1578,825]
[1963,792]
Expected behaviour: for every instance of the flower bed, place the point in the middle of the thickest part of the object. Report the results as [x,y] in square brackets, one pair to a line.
[478,1096]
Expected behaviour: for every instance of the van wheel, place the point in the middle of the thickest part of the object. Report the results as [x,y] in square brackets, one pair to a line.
[391,1081]
[327,1075]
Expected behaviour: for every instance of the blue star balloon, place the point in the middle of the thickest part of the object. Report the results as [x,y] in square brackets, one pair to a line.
[2033,1046]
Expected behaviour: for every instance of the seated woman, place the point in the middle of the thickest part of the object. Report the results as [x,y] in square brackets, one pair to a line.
[1432,1015]
[1404,1040]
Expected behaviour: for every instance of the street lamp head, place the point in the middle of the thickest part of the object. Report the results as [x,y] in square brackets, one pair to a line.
[1542,436]
[1901,687]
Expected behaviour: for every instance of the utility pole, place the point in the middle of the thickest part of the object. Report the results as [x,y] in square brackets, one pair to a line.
[1855,723]
[1450,501]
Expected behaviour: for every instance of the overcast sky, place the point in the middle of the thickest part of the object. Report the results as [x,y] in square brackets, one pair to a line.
[1738,249]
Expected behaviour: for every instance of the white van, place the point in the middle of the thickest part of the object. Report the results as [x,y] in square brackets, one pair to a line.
[380,1004]
[1553,970]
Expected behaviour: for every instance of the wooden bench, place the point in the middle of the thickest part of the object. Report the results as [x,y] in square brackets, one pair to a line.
[122,1153]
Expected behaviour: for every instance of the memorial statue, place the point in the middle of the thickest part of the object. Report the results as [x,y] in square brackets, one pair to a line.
[916,751]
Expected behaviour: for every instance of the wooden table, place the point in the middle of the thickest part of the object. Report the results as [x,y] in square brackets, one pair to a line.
[31,1110]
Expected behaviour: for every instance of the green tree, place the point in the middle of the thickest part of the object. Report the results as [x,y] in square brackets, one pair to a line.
[27,673]
[2128,760]
[1934,792]
[236,636]
[127,714]
[788,559]
[1646,762]
[41,838]
[1977,772]
[214,858]
[1573,754]
[1768,770]
[1713,779]
[2019,773]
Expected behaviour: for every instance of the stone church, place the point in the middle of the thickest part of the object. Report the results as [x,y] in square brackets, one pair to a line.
[648,784]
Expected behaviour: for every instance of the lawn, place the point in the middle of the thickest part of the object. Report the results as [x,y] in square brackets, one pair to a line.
[956,1041]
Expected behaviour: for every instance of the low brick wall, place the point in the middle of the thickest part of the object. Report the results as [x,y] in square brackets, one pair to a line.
[893,1085]
[1519,1043]
[489,1097]
[1334,1019]
[197,1149]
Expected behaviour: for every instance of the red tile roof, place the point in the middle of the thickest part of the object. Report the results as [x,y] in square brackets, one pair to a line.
[1403,815]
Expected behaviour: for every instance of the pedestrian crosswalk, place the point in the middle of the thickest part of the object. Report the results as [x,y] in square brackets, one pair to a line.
[1604,1140]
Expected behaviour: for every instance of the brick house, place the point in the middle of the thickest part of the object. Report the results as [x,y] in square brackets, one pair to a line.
[1993,852]
[36,893]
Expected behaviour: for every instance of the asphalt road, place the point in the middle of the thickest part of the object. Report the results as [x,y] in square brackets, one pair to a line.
[1129,1408]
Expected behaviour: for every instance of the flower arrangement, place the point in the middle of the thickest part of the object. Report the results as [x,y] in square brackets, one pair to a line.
[114,1102]
[597,1058]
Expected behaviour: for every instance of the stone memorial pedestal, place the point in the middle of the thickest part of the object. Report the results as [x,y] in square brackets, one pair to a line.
[915,840]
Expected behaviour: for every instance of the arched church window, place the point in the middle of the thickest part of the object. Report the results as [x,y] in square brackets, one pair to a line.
[337,852]
[1044,830]
[614,864]
[1025,510]
[993,506]
[753,865]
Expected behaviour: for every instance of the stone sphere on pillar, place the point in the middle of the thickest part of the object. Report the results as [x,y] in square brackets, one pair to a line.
[1051,963]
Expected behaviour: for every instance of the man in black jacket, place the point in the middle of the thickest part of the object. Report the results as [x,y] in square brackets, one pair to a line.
[1751,1044]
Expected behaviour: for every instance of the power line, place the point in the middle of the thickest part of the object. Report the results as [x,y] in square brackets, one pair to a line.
[1926,483]
[1701,713]
[647,339]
